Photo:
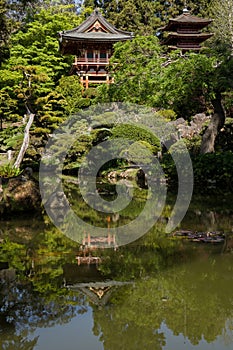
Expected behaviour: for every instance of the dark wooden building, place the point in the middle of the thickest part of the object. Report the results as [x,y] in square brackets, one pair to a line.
[185,32]
[92,45]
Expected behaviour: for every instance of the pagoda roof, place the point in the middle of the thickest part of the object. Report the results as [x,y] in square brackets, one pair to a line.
[196,37]
[94,29]
[95,36]
[186,19]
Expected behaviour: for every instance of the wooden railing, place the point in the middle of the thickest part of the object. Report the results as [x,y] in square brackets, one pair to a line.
[188,31]
[86,60]
[188,45]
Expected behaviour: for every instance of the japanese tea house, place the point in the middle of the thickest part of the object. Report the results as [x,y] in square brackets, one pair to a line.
[185,32]
[92,45]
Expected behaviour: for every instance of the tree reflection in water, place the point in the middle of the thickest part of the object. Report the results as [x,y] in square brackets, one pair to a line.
[185,286]
[193,299]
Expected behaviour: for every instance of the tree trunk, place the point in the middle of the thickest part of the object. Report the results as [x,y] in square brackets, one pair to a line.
[216,123]
[25,143]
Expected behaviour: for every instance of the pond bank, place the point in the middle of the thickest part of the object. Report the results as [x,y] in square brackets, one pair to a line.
[20,194]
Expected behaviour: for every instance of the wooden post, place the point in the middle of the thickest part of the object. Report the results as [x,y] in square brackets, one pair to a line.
[81,80]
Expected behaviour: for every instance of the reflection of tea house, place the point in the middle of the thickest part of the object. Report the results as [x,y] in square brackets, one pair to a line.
[92,45]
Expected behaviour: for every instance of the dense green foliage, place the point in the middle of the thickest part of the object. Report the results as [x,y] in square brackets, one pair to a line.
[144,71]
[4,32]
[137,134]
[144,17]
[165,276]
[145,75]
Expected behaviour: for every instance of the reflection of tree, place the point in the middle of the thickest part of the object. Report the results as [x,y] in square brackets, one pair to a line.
[38,296]
[131,337]
[188,298]
[212,215]
[192,299]
[18,342]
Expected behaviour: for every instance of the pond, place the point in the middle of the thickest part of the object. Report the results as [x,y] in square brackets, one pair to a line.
[159,292]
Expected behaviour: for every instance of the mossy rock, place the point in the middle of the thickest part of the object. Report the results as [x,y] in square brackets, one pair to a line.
[20,195]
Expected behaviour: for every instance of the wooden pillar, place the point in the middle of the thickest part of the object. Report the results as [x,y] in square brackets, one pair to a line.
[81,81]
[87,82]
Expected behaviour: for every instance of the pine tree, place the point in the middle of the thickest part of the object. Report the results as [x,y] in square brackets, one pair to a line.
[222,13]
[144,17]
[4,32]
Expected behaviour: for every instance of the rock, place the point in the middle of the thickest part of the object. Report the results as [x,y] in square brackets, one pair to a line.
[20,195]
[193,128]
[7,275]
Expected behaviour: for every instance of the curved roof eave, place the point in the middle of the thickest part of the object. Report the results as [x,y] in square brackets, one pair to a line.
[95,16]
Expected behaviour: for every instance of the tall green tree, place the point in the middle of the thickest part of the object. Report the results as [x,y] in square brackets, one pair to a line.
[144,17]
[222,13]
[135,65]
[188,85]
[4,32]
[35,51]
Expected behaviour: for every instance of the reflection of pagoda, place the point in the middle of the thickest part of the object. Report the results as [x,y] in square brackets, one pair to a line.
[92,44]
[97,292]
[185,32]
[93,242]
[89,281]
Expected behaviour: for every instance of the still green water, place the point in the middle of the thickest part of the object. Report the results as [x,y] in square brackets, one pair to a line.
[156,293]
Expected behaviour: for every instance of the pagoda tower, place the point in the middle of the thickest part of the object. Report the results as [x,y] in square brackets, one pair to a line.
[185,32]
[92,45]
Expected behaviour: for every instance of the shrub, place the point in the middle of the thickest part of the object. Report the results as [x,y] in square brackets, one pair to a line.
[224,140]
[167,114]
[136,133]
[8,170]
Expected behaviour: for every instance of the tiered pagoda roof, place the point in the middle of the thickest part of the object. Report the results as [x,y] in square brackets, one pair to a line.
[185,32]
